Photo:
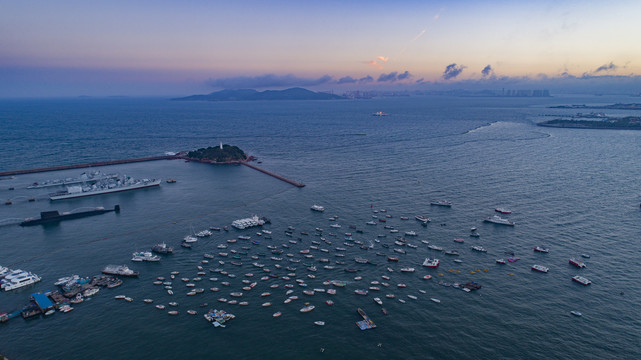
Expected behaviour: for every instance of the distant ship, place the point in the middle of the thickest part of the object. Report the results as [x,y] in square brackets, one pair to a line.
[100,188]
[380,113]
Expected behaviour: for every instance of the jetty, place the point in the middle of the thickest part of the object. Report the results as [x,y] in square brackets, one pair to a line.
[295,183]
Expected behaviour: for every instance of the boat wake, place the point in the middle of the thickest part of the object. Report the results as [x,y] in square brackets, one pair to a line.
[10,221]
[505,130]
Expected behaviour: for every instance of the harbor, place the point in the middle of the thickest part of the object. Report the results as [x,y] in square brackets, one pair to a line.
[550,206]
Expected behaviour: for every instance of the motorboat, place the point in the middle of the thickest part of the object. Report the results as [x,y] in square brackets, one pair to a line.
[541,249]
[317,208]
[307,308]
[540,268]
[502,210]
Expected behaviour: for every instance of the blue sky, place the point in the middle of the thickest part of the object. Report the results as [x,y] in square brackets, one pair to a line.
[68,48]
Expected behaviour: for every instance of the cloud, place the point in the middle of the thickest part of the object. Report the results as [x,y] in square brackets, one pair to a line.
[487,71]
[404,75]
[391,77]
[266,81]
[383,59]
[366,79]
[452,71]
[374,64]
[346,80]
[394,76]
[606,67]
[420,80]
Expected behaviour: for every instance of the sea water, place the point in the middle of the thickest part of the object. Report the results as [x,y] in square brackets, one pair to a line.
[572,191]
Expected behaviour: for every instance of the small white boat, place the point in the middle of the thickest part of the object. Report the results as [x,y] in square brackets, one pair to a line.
[378,301]
[319,323]
[435,300]
[307,308]
[575,313]
[277,314]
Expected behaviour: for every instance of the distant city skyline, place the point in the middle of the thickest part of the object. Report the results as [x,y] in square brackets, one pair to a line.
[166,48]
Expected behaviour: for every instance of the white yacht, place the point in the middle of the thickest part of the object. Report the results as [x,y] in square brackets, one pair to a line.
[318,208]
[18,280]
[495,219]
[190,239]
[144,256]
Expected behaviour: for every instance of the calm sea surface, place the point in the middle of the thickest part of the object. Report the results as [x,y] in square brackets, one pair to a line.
[573,191]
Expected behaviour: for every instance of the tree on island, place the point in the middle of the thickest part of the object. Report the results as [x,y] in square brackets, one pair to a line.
[220,154]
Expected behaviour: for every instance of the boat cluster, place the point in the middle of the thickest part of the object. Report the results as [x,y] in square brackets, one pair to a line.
[72,290]
[241,224]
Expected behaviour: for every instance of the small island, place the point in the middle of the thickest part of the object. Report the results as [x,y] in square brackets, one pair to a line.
[604,122]
[223,154]
[617,106]
[253,95]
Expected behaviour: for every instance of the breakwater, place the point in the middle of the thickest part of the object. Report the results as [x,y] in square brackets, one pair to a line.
[295,183]
[86,165]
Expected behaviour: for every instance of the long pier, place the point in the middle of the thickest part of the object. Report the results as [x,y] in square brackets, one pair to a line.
[134,160]
[295,183]
[86,165]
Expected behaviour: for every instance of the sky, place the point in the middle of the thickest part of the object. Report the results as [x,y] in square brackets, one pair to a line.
[166,48]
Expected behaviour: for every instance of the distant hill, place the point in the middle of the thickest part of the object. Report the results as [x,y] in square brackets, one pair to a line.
[250,94]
